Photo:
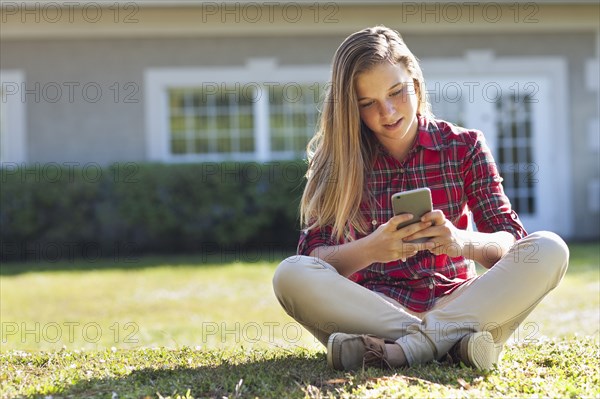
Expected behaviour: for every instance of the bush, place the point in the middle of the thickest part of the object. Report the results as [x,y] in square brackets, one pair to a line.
[49,212]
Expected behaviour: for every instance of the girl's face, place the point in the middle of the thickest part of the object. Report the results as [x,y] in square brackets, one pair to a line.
[388,103]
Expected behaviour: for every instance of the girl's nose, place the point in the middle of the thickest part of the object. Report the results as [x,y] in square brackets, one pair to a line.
[388,109]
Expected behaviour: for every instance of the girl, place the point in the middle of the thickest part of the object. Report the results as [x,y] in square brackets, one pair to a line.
[358,284]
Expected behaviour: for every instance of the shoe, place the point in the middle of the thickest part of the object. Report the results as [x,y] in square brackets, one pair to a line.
[476,350]
[352,351]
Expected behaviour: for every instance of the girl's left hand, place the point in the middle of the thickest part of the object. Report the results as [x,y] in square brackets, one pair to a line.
[447,238]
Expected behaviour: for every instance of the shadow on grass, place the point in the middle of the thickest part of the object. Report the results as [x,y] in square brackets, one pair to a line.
[291,375]
[583,256]
[137,262]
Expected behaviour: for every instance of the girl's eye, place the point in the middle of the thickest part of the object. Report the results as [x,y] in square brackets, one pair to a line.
[396,93]
[366,105]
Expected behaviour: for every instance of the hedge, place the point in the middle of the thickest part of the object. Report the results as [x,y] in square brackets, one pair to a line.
[52,211]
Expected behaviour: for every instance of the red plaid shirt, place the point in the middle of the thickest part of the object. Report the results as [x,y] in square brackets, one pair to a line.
[459,169]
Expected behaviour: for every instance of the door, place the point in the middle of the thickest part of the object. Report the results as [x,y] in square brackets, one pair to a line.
[514,114]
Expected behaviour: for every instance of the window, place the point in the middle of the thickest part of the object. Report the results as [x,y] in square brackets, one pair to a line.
[260,112]
[292,118]
[515,151]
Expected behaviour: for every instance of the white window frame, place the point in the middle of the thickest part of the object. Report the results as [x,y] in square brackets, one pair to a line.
[258,73]
[13,145]
[554,148]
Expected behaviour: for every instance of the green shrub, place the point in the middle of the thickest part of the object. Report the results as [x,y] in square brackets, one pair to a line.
[51,213]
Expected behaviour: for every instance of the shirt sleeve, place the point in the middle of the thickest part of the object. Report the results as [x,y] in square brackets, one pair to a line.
[487,201]
[314,238]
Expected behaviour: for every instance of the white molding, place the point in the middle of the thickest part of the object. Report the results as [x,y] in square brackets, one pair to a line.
[593,195]
[479,60]
[261,63]
[256,74]
[593,130]
[261,126]
[14,144]
[592,75]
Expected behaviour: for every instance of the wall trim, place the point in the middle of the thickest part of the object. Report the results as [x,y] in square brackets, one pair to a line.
[13,148]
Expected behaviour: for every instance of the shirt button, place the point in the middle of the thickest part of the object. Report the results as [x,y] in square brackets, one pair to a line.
[374,222]
[402,170]
[430,286]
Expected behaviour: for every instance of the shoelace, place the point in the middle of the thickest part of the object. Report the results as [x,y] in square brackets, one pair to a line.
[375,354]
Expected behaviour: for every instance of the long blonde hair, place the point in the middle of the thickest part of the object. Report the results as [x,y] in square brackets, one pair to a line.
[341,153]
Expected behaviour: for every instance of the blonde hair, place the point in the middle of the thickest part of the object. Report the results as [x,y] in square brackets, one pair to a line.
[342,150]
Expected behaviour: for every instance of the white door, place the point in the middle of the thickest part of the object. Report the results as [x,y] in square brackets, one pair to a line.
[514,114]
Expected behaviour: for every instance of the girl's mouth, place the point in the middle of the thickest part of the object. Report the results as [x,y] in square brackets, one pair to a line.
[394,125]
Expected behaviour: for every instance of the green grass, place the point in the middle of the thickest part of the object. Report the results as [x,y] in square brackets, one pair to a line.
[181,328]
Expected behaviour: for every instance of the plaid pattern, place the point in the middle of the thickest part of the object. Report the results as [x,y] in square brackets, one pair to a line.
[459,169]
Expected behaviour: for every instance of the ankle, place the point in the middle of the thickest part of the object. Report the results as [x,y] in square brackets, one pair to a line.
[395,355]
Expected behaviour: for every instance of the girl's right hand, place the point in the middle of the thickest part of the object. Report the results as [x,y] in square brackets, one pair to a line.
[386,243]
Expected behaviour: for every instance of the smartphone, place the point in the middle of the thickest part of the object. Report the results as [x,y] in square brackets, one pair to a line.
[417,202]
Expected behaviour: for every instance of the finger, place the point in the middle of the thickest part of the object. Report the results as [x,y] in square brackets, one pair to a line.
[401,218]
[432,231]
[438,247]
[409,248]
[427,245]
[436,217]
[424,246]
[416,230]
[395,221]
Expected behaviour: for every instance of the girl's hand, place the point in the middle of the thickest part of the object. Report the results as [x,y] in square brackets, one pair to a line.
[444,236]
[387,244]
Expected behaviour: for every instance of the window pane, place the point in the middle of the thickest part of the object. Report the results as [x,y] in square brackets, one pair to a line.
[222,122]
[178,146]
[224,144]
[201,145]
[247,144]
[200,124]
[246,121]
[176,101]
[177,123]
[198,100]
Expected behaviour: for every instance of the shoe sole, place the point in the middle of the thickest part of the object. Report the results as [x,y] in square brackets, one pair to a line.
[330,344]
[481,350]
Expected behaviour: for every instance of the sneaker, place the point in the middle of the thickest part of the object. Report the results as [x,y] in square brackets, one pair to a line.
[476,350]
[353,351]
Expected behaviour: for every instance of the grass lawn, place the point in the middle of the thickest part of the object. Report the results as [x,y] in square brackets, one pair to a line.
[188,327]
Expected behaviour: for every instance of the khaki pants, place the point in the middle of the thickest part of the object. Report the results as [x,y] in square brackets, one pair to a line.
[313,293]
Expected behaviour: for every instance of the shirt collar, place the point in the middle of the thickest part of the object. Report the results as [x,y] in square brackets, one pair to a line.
[428,134]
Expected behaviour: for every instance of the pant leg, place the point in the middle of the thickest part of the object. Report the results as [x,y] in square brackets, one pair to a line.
[313,293]
[496,301]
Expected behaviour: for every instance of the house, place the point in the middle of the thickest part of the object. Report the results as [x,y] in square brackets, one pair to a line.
[93,83]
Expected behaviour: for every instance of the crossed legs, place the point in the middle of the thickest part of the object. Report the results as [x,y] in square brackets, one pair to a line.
[314,294]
